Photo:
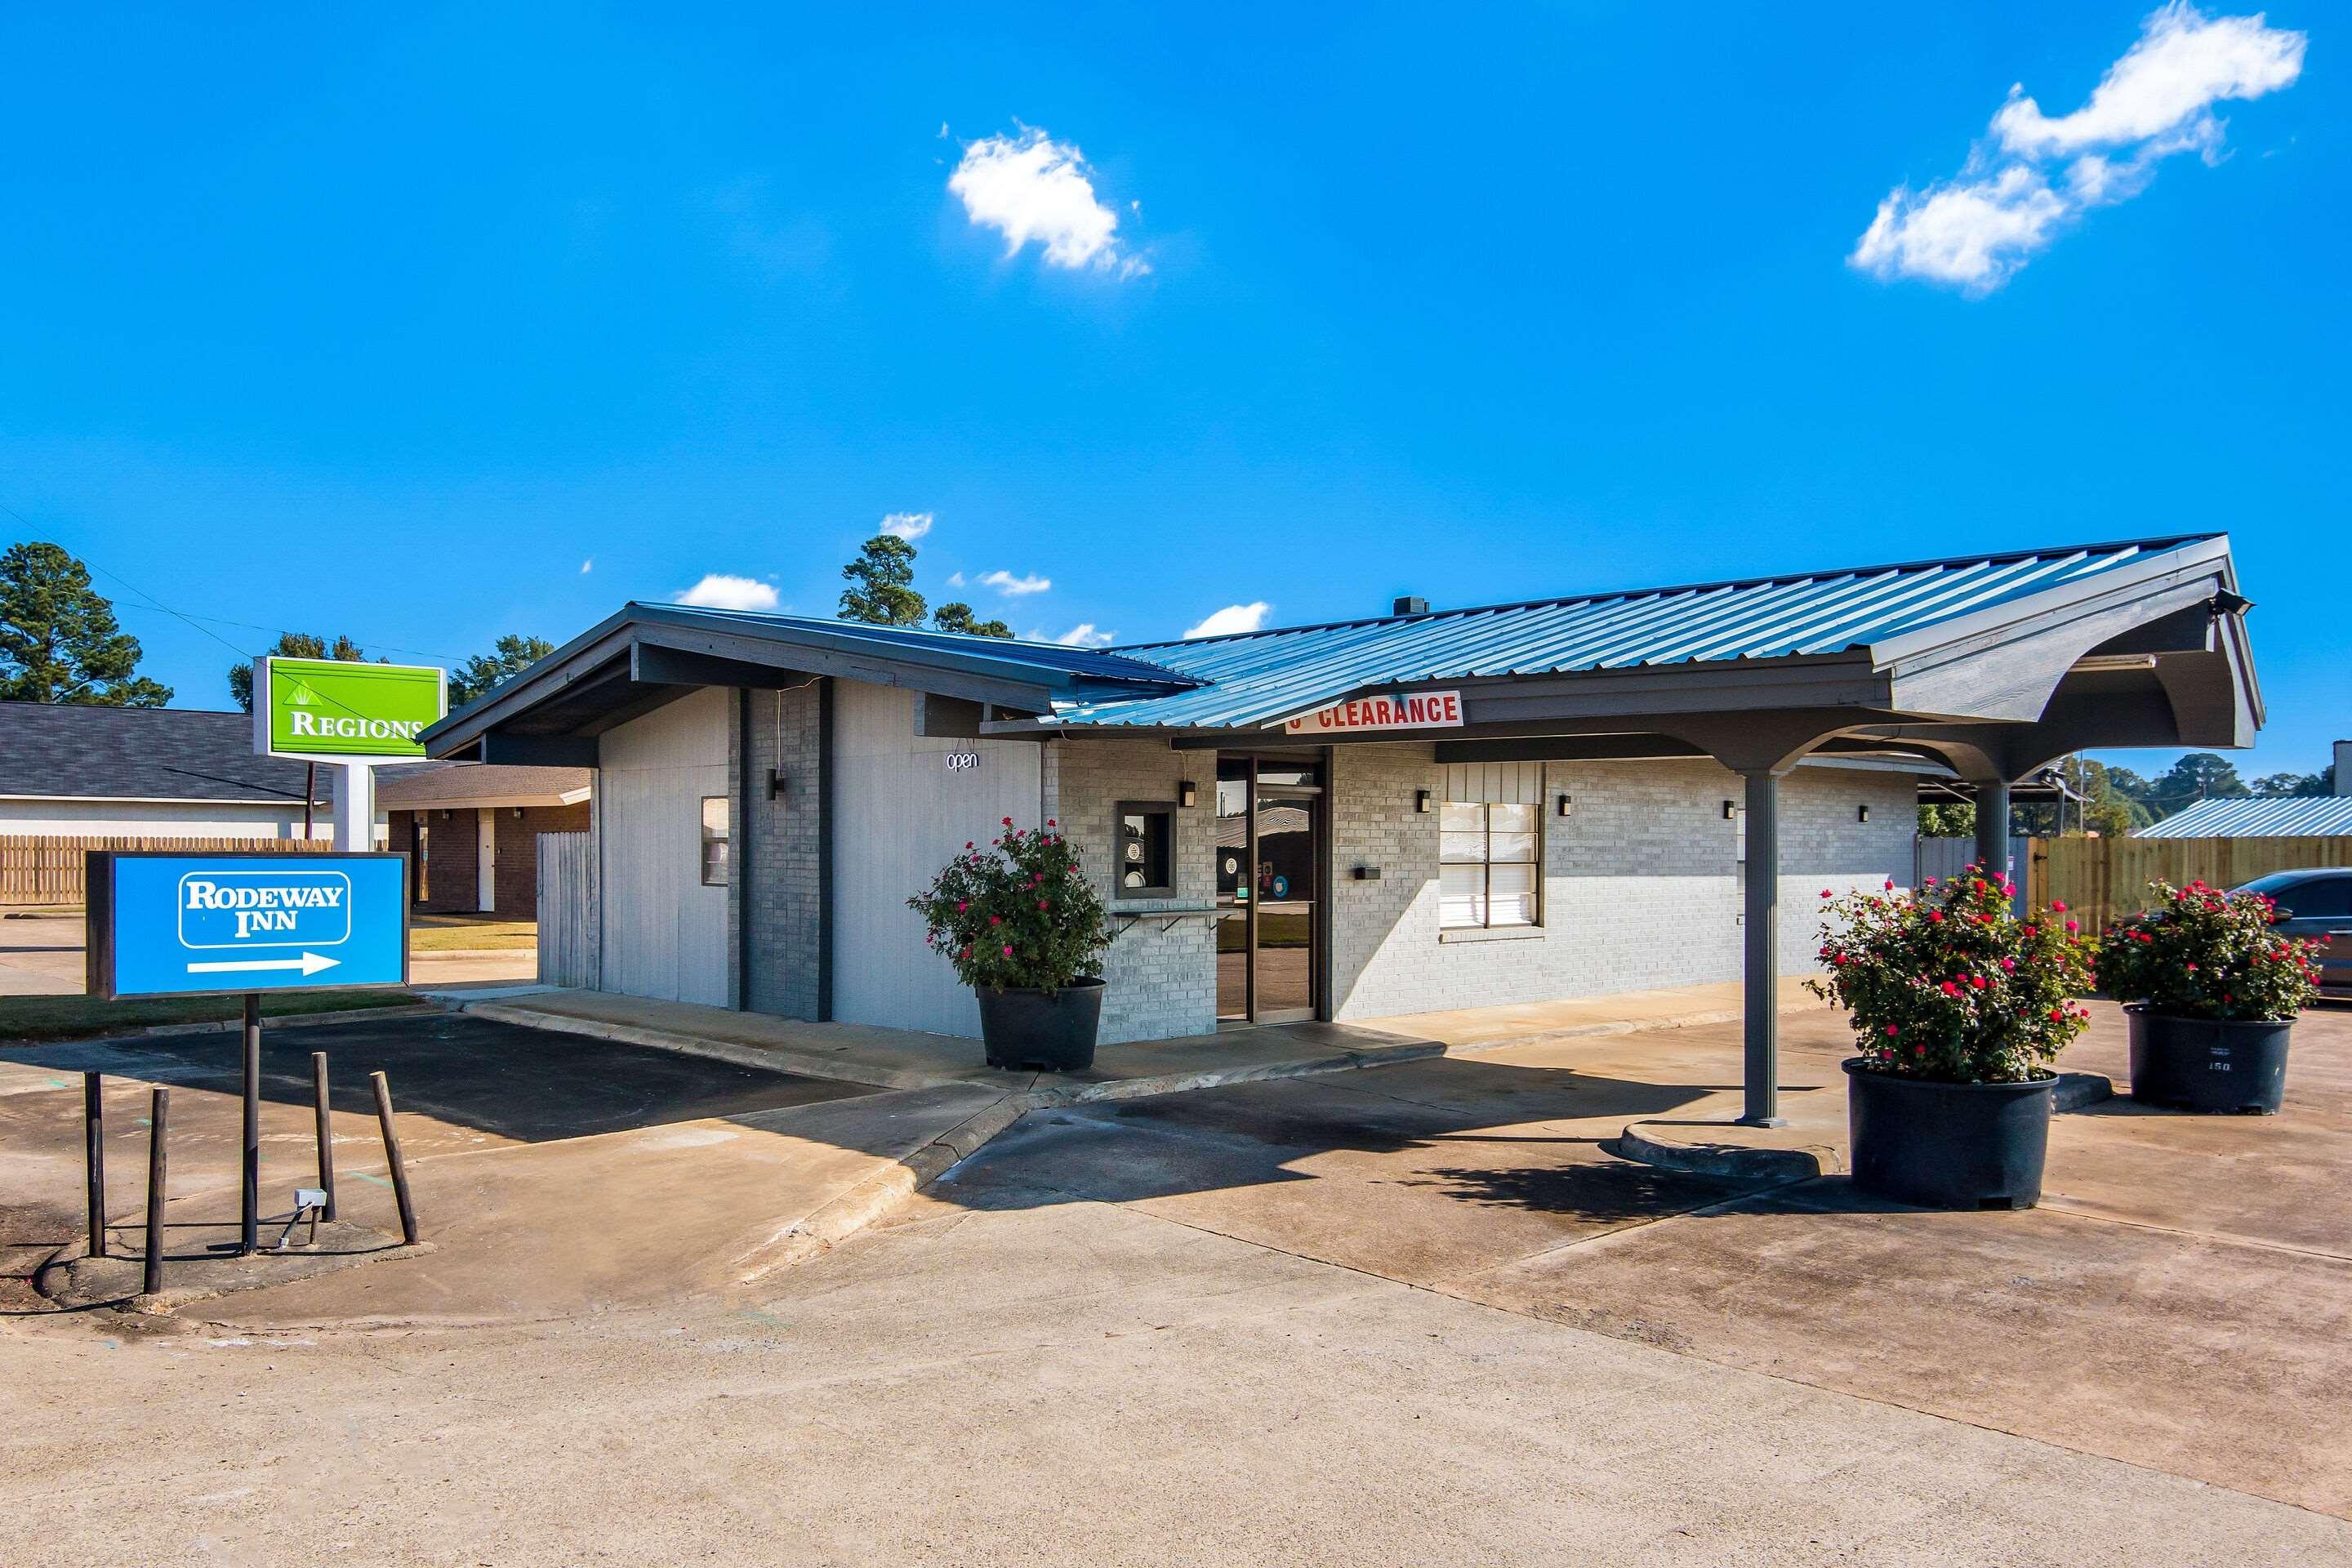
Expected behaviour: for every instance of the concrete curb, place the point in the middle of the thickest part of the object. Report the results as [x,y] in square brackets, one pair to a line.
[805,1064]
[1729,1161]
[1802,1162]
[2077,1089]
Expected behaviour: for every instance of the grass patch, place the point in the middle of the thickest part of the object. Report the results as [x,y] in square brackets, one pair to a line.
[79,1017]
[470,933]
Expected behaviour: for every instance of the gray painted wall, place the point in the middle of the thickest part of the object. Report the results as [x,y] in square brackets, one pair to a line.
[778,840]
[898,814]
[1160,983]
[665,935]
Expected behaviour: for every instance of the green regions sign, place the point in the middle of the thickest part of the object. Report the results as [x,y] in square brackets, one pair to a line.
[348,712]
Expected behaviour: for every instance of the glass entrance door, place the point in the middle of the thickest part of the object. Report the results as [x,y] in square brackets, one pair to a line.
[1269,872]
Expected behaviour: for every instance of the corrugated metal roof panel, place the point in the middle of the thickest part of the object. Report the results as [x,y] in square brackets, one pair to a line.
[1256,678]
[2299,817]
[1046,658]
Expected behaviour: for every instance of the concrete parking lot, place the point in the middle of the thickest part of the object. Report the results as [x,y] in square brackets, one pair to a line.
[1416,1314]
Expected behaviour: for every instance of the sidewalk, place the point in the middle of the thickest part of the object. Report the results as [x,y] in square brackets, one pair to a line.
[903,1058]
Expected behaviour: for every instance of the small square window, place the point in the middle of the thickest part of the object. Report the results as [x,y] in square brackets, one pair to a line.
[1144,855]
[714,824]
[1488,855]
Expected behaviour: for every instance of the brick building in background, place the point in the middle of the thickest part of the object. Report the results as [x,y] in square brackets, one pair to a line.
[472,831]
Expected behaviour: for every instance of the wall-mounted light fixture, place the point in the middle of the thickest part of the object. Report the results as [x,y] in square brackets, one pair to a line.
[1568,806]
[1863,815]
[1730,811]
[1366,873]
[775,783]
[518,811]
[1421,801]
[445,814]
[1188,794]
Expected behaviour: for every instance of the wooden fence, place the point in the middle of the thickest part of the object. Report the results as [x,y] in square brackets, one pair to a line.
[44,869]
[568,951]
[2101,878]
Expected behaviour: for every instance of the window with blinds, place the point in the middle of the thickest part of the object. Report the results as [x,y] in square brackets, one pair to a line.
[1490,846]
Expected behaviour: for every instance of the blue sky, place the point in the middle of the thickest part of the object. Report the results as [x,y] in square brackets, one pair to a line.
[390,329]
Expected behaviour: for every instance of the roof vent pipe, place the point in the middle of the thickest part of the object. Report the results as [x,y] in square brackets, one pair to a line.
[1409,605]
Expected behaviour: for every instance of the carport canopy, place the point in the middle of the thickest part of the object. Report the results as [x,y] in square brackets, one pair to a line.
[1988,665]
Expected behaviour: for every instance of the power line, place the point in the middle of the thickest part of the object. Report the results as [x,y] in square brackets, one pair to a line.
[157,604]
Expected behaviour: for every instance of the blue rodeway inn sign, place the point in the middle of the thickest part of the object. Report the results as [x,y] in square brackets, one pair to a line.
[193,925]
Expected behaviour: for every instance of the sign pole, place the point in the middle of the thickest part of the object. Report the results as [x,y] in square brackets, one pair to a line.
[355,807]
[249,1215]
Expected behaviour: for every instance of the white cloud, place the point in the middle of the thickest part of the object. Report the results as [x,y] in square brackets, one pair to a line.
[2013,197]
[2183,64]
[1973,234]
[718,591]
[1233,618]
[1082,635]
[587,566]
[1031,186]
[1012,587]
[908,525]
[955,579]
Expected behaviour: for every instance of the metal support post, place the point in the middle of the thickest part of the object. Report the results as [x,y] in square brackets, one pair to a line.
[326,1130]
[391,1158]
[93,1138]
[159,1112]
[249,1209]
[1992,826]
[1761,1004]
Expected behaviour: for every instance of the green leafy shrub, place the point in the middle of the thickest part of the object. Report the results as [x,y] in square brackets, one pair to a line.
[2200,952]
[1017,913]
[1949,985]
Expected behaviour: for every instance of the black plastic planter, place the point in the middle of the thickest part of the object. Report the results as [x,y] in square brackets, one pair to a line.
[2209,1064]
[1947,1145]
[1051,1031]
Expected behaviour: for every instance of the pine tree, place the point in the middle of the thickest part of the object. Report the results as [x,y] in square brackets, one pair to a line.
[956,616]
[881,593]
[58,639]
[509,656]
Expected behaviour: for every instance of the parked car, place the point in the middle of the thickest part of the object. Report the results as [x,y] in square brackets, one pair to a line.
[2315,905]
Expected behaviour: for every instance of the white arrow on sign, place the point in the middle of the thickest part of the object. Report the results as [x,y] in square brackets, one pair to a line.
[308,963]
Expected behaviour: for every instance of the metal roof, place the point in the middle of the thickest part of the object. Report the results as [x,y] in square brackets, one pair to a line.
[2290,816]
[914,643]
[1262,677]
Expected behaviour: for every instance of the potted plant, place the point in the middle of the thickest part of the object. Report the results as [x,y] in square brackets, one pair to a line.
[1960,1006]
[2211,993]
[1026,931]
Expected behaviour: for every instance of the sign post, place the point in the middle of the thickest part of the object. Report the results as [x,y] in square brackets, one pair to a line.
[168,924]
[352,714]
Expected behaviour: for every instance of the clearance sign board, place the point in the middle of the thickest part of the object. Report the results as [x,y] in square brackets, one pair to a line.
[344,711]
[166,924]
[1412,711]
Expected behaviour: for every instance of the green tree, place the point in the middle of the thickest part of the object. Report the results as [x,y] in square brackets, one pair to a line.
[509,656]
[1948,819]
[58,638]
[2199,775]
[956,616]
[293,645]
[881,578]
[2304,785]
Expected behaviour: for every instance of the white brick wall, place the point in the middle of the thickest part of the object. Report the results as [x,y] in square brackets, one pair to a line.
[1160,983]
[1641,884]
[1642,887]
